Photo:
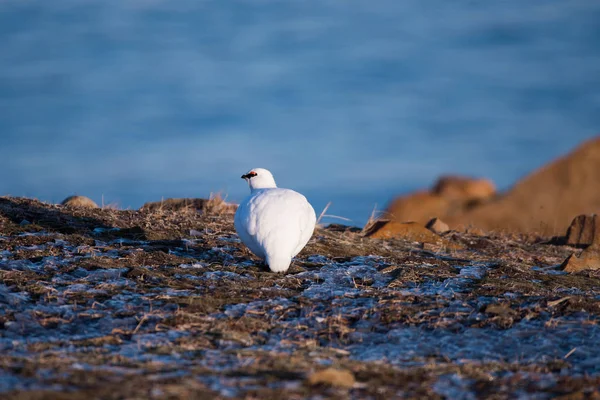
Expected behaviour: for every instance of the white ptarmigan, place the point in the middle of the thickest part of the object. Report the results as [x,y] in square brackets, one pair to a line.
[274,223]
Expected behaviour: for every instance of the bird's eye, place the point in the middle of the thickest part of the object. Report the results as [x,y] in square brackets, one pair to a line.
[252,174]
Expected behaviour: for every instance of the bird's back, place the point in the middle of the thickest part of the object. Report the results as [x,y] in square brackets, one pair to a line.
[275,223]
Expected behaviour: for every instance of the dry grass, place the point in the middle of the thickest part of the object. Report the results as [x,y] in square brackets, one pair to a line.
[162,319]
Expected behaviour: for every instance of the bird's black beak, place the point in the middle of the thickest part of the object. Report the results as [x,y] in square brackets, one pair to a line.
[249,175]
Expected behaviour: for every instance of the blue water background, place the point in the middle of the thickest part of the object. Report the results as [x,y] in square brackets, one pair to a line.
[347,101]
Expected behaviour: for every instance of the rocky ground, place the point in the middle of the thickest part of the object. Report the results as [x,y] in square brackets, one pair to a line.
[167,303]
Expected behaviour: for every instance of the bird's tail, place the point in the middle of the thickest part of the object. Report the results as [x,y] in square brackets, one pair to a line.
[278,263]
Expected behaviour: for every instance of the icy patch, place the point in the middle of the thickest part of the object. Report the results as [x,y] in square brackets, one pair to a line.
[103,275]
[10,382]
[12,298]
[318,259]
[76,288]
[238,310]
[454,386]
[32,247]
[230,239]
[552,270]
[335,292]
[340,279]
[219,275]
[21,265]
[100,230]
[173,292]
[338,308]
[41,233]
[196,265]
[451,286]
[526,341]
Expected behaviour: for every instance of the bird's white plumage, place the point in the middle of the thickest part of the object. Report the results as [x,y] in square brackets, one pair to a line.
[274,223]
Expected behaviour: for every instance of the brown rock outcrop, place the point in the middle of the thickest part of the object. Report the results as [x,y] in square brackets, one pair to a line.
[411,231]
[79,202]
[464,189]
[582,232]
[448,196]
[545,201]
[418,207]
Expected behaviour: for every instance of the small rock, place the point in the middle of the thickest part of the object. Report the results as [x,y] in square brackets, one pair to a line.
[438,226]
[332,377]
[25,222]
[589,259]
[475,231]
[79,202]
[502,310]
[584,229]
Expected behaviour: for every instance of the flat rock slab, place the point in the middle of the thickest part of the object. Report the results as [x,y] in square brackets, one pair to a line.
[589,259]
[411,231]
